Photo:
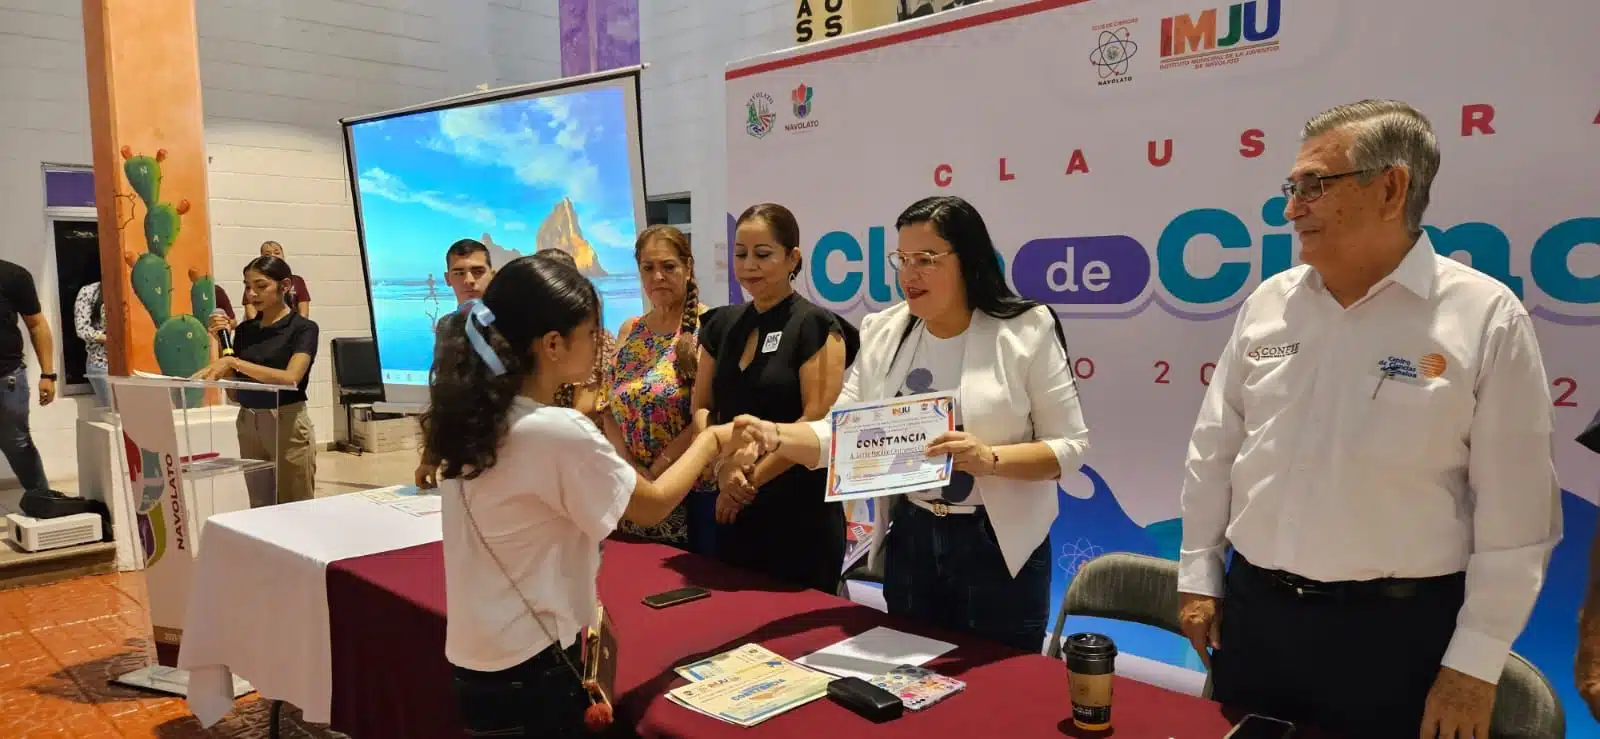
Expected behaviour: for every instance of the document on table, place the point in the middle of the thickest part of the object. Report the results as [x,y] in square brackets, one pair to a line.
[874,653]
[754,693]
[881,448]
[726,663]
[408,499]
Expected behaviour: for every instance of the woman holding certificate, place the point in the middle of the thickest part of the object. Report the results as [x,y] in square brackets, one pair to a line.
[973,555]
[779,357]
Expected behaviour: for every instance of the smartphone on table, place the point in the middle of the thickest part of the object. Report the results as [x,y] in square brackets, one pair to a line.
[676,597]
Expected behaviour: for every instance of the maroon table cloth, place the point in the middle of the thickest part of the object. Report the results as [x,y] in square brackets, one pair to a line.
[391,680]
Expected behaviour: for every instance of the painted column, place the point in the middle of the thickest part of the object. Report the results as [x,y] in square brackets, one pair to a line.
[147,128]
[597,35]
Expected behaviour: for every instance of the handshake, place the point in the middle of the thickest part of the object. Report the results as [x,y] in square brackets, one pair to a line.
[744,443]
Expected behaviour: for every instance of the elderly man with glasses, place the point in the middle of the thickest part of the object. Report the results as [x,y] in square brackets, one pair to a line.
[1374,452]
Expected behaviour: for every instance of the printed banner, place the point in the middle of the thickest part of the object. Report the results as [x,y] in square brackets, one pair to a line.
[1127,157]
[155,471]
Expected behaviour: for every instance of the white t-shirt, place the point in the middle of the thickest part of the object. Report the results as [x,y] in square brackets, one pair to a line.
[929,364]
[557,489]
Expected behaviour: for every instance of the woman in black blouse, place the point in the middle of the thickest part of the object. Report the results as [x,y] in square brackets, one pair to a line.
[275,347]
[778,356]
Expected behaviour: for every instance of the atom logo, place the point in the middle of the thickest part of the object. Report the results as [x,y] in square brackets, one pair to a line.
[1075,554]
[1112,52]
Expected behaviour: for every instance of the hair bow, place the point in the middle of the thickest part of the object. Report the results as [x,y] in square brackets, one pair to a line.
[479,315]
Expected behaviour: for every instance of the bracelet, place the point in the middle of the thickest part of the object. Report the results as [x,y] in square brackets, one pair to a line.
[994,462]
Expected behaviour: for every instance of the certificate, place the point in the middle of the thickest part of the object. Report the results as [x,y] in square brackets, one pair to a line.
[726,663]
[755,693]
[881,448]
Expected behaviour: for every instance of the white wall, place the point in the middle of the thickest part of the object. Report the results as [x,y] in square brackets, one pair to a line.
[688,45]
[277,76]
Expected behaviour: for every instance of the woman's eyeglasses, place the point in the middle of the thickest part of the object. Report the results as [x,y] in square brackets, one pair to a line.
[916,260]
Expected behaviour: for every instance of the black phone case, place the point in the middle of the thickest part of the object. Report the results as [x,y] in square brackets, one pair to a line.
[865,699]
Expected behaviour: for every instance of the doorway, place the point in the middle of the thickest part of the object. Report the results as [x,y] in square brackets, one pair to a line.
[77,251]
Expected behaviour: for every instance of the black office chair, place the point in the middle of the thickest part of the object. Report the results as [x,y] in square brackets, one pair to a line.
[355,371]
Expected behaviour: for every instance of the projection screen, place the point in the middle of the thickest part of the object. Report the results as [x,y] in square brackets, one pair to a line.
[550,165]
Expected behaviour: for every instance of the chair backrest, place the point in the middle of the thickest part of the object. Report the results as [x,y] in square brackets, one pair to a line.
[1525,705]
[1141,589]
[1123,586]
[355,362]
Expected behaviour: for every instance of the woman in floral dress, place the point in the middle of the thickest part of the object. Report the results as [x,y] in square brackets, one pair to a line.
[646,393]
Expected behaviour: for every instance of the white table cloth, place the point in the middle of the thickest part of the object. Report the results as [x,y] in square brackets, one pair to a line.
[258,602]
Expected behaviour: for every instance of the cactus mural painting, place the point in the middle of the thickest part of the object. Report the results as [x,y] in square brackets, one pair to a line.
[182,346]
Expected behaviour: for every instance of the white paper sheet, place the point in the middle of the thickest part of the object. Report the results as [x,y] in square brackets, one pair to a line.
[874,653]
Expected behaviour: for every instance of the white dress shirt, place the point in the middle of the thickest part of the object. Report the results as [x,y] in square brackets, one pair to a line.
[1408,436]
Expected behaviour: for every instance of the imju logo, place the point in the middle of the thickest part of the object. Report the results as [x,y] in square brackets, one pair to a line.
[759,118]
[801,98]
[1197,40]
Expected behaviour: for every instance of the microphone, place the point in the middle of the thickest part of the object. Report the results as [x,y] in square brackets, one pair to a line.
[224,337]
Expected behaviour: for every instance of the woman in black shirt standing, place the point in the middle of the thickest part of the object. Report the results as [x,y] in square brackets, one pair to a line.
[276,347]
[778,356]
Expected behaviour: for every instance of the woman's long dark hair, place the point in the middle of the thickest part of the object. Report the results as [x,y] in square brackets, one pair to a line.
[686,349]
[960,224]
[97,314]
[468,405]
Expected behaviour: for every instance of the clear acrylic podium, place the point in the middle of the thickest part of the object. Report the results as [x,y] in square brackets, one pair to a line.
[181,453]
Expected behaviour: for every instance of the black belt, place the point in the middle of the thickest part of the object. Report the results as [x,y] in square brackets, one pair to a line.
[1385,588]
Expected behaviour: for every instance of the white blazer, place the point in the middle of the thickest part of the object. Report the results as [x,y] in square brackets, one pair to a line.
[1015,387]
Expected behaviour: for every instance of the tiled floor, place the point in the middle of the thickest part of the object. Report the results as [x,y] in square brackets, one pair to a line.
[61,644]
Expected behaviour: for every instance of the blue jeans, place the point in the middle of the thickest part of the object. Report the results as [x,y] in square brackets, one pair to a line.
[16,398]
[948,572]
[102,386]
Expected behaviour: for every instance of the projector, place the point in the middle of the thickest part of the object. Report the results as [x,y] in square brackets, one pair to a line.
[40,534]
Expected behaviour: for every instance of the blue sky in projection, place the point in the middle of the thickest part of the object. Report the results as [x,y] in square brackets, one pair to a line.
[499,168]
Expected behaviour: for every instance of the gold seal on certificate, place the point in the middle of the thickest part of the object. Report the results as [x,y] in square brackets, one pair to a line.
[881,448]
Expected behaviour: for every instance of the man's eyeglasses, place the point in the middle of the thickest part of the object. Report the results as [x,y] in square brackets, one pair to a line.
[1309,188]
[916,260]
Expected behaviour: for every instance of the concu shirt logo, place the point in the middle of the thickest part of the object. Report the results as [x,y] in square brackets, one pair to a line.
[1274,352]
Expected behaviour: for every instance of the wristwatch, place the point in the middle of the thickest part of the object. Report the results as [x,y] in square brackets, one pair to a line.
[47,376]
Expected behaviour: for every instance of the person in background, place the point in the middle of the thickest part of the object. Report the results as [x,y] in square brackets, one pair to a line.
[529,489]
[974,555]
[648,385]
[277,347]
[1588,663]
[782,358]
[224,304]
[468,271]
[1375,451]
[586,397]
[19,299]
[299,296]
[89,319]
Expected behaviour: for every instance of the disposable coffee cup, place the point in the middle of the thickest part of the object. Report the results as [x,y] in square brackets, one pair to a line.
[1091,661]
